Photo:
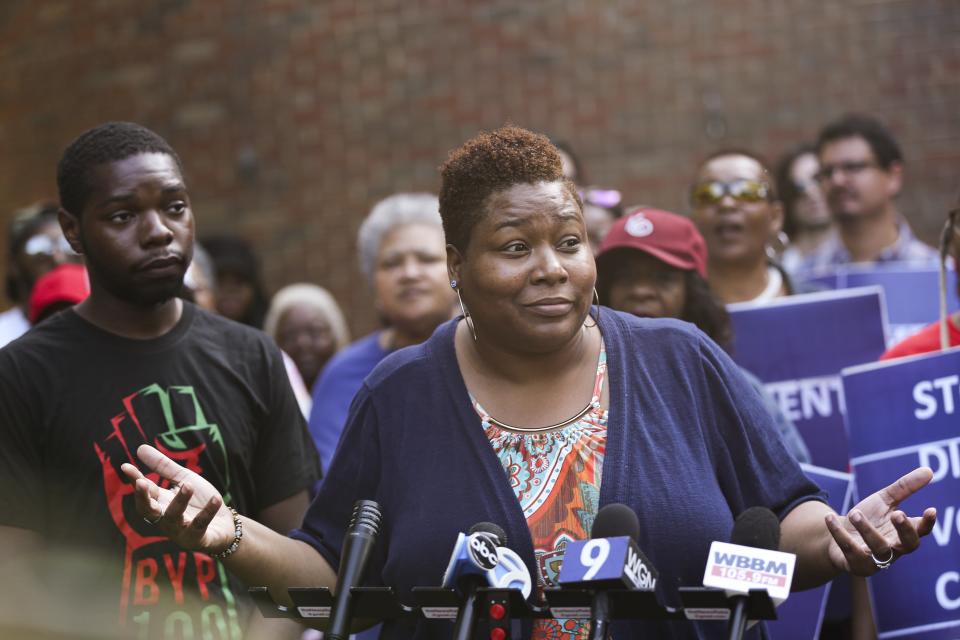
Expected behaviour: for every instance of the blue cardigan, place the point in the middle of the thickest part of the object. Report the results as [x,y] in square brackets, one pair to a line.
[690,445]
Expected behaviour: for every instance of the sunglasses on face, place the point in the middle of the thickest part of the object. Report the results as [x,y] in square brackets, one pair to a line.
[712,192]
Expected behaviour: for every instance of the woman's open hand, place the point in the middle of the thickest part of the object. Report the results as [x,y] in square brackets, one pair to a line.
[191,512]
[874,533]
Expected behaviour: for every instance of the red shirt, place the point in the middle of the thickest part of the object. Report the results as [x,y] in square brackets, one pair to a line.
[924,341]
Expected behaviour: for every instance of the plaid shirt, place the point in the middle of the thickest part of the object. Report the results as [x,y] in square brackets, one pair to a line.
[907,248]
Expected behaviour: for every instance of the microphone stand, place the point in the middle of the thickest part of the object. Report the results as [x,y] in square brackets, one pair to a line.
[738,617]
[467,617]
[600,615]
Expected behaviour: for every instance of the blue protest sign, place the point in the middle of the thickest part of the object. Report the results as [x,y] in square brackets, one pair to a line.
[798,345]
[800,617]
[903,414]
[911,292]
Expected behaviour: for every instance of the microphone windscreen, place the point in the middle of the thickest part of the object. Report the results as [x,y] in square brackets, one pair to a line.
[366,517]
[615,520]
[492,529]
[757,527]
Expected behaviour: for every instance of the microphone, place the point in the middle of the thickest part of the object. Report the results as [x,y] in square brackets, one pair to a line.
[750,561]
[357,545]
[610,559]
[474,556]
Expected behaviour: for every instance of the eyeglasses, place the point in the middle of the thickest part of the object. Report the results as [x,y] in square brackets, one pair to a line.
[710,193]
[825,174]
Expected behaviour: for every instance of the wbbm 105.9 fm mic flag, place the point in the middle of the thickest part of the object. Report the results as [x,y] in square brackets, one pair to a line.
[357,545]
[609,560]
[750,561]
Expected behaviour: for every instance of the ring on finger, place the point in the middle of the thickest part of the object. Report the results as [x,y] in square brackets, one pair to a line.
[154,521]
[882,564]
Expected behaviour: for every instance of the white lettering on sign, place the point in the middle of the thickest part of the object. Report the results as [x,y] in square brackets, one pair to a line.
[943,528]
[808,398]
[925,396]
[950,603]
[943,459]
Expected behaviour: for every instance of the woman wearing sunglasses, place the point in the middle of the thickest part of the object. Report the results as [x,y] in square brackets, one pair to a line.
[736,208]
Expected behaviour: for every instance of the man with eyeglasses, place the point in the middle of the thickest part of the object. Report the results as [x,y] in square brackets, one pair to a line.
[36,246]
[861,174]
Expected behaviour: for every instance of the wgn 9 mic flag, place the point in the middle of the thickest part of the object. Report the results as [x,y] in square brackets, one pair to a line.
[609,560]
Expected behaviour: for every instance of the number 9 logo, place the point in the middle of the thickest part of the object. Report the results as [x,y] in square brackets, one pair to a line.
[593,555]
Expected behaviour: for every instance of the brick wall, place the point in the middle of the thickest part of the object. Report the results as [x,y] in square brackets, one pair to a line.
[294,116]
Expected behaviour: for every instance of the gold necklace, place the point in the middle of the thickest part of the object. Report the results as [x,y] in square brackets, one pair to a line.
[590,405]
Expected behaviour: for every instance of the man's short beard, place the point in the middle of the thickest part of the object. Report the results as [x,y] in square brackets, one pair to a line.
[137,294]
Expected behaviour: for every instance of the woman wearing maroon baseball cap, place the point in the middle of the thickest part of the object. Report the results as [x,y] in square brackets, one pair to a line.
[653,263]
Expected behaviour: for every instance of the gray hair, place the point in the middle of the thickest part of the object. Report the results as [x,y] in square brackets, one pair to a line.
[394,211]
[312,296]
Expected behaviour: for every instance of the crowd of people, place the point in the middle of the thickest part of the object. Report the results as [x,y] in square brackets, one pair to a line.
[174,434]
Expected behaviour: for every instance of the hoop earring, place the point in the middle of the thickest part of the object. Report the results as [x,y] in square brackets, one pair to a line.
[596,321]
[466,316]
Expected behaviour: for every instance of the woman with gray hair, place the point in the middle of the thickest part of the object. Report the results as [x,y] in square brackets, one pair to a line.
[403,256]
[306,322]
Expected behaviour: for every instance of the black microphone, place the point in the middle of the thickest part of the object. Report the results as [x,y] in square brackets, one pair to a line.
[473,556]
[613,520]
[756,527]
[357,545]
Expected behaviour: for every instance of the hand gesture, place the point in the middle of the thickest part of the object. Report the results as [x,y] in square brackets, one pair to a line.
[875,532]
[191,512]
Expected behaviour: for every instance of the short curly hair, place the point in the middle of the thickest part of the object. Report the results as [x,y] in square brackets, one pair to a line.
[488,163]
[108,142]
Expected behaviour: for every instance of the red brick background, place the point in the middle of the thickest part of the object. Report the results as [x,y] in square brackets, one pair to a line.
[294,116]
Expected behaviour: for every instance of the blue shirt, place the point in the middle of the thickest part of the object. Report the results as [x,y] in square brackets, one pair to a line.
[833,253]
[334,390]
[689,446]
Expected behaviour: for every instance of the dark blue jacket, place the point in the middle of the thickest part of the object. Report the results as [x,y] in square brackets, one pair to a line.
[690,446]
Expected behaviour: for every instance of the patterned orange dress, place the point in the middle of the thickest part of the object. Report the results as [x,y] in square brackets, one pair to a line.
[556,477]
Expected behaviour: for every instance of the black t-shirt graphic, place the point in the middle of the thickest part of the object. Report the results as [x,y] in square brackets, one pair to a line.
[76,402]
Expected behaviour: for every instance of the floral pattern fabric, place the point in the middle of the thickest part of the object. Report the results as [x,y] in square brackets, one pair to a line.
[556,477]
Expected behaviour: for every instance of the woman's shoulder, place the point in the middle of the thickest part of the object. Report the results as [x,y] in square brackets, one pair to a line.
[366,350]
[411,364]
[656,332]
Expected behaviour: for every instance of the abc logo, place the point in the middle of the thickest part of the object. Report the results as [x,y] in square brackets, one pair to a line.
[483,550]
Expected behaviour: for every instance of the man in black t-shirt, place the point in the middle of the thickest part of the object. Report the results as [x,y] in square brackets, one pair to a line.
[134,364]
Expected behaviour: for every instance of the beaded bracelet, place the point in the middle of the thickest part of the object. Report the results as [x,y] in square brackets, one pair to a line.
[238,534]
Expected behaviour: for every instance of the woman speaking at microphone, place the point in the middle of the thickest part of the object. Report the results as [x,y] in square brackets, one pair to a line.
[533,410]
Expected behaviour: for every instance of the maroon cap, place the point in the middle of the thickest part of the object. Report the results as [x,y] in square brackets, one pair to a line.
[66,283]
[666,236]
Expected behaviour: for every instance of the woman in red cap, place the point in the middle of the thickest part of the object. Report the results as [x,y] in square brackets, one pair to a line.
[653,264]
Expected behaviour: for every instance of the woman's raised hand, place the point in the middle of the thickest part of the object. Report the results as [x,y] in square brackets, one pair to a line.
[874,533]
[191,512]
